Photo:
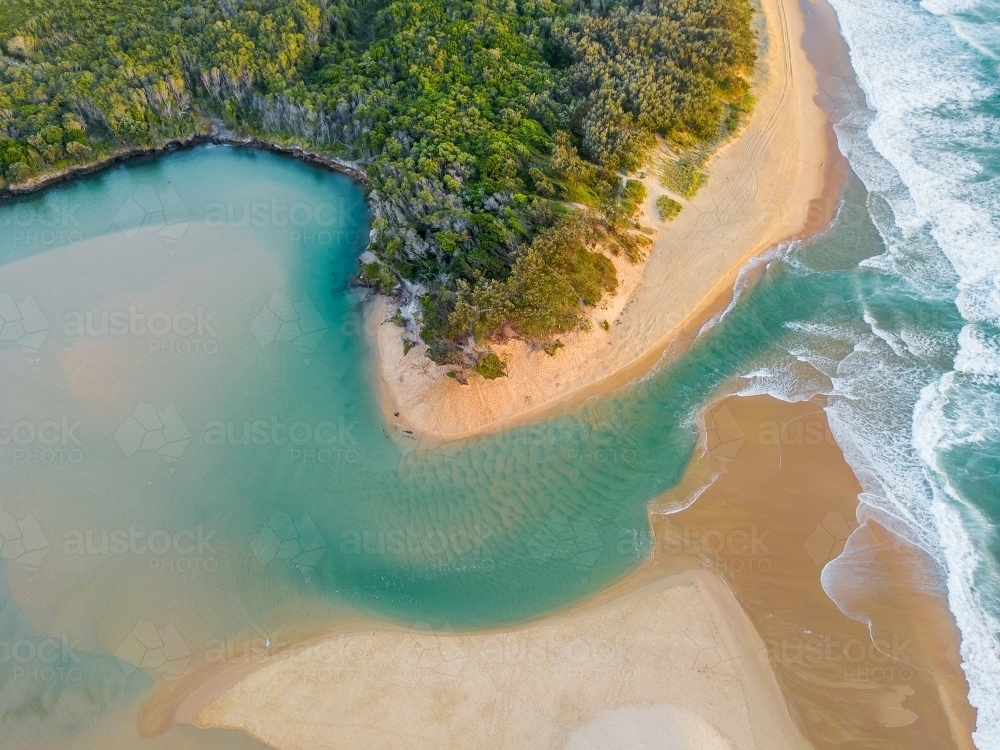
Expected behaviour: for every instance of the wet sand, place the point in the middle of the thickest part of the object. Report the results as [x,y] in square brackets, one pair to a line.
[661,655]
[735,576]
[783,504]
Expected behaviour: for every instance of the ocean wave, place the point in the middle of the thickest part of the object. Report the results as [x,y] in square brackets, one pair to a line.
[746,276]
[926,151]
[789,380]
[943,420]
[930,95]
[979,353]
[949,7]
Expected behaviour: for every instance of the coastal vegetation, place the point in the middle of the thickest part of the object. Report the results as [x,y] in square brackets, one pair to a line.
[496,134]
[667,207]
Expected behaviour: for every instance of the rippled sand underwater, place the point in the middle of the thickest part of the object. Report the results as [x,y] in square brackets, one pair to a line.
[196,468]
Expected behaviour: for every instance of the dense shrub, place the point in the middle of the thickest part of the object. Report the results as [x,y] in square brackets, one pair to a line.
[484,125]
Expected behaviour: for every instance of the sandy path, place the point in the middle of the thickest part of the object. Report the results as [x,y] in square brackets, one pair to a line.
[777,180]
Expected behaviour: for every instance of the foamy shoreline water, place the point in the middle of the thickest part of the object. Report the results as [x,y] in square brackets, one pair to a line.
[927,148]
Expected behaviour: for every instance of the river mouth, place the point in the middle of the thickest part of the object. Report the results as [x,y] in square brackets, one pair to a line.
[196,469]
[195,462]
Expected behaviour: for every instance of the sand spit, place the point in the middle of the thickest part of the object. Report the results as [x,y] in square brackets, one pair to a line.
[661,657]
[779,179]
[779,513]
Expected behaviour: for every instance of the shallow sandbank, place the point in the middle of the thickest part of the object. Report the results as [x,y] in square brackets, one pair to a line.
[661,655]
[778,664]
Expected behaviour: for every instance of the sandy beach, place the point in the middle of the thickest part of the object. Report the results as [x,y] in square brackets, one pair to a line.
[780,505]
[779,179]
[724,638]
[728,636]
[664,655]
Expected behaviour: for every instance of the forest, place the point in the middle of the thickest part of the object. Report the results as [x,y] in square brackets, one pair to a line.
[497,135]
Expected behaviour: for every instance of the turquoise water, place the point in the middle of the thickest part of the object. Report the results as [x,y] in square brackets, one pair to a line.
[926,148]
[195,462]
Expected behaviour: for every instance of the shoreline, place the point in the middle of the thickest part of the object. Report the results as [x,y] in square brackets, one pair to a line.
[778,181]
[218,138]
[689,616]
[858,630]
[754,545]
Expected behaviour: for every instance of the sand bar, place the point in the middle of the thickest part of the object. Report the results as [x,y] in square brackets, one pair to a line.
[780,512]
[661,655]
[725,634]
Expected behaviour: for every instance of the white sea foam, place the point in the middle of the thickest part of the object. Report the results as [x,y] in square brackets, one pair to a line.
[924,84]
[948,7]
[920,152]
[979,354]
[746,276]
[939,424]
[788,380]
[926,344]
[888,337]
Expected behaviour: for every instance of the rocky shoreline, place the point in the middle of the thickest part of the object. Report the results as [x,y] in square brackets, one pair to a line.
[222,139]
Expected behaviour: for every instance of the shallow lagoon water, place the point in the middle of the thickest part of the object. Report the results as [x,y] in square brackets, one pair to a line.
[196,463]
[194,456]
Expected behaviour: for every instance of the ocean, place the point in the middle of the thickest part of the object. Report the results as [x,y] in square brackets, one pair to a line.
[195,466]
[925,147]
